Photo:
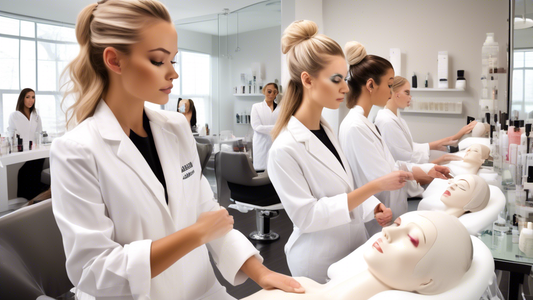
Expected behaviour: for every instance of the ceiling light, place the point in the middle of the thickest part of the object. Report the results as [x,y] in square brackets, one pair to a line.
[521,23]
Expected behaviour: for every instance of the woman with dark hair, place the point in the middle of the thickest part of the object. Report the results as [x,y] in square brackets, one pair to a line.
[186,107]
[25,122]
[370,80]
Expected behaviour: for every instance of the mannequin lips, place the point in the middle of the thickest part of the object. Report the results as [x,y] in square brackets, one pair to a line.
[447,193]
[377,246]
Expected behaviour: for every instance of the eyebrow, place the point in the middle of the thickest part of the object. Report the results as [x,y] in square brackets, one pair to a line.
[162,50]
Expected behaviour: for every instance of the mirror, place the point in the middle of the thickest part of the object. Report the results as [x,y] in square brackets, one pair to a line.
[521,87]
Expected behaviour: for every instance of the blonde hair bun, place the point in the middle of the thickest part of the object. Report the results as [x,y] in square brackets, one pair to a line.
[296,33]
[355,52]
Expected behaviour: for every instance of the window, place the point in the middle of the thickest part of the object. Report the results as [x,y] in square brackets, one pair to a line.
[523,80]
[194,83]
[34,55]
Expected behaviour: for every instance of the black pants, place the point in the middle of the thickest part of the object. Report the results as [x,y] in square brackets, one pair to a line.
[29,179]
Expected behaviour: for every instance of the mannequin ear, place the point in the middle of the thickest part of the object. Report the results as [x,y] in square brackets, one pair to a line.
[306,80]
[112,60]
[425,287]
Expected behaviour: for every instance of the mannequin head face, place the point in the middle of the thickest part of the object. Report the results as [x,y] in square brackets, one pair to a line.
[401,92]
[476,154]
[424,251]
[468,192]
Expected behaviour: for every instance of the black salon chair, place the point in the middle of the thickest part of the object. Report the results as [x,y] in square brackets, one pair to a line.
[32,258]
[249,191]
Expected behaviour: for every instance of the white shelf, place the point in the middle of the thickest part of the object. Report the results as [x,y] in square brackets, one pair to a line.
[248,95]
[436,90]
[432,112]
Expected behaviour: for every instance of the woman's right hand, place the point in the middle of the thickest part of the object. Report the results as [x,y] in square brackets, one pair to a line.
[214,224]
[393,181]
[446,158]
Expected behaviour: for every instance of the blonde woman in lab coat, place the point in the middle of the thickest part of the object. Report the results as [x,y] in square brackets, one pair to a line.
[370,80]
[137,220]
[264,116]
[397,135]
[307,166]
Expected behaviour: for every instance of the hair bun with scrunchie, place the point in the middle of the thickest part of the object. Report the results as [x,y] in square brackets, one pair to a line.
[296,33]
[355,52]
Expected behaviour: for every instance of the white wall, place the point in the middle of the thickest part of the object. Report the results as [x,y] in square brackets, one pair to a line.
[421,28]
[262,46]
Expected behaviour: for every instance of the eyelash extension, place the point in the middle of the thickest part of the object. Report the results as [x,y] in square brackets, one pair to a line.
[156,63]
[413,240]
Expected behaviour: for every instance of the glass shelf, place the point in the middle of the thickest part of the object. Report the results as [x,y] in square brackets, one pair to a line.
[436,90]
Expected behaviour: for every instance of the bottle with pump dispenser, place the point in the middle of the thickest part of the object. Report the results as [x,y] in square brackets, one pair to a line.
[525,243]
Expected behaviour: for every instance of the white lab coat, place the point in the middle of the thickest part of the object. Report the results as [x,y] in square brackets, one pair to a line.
[110,206]
[313,187]
[370,158]
[24,127]
[263,120]
[397,136]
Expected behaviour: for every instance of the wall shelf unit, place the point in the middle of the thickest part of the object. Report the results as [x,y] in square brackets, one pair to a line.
[248,95]
[436,90]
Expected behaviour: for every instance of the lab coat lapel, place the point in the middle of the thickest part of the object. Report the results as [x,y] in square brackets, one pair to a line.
[360,114]
[397,119]
[317,149]
[126,151]
[167,146]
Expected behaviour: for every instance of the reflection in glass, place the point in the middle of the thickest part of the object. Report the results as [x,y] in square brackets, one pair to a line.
[46,108]
[9,62]
[9,104]
[27,29]
[518,91]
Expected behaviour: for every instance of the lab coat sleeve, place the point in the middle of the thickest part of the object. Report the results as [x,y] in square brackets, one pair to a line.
[231,251]
[96,264]
[11,127]
[39,125]
[257,124]
[399,145]
[420,153]
[307,213]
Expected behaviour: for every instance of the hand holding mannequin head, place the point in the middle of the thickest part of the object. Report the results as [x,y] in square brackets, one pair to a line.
[466,193]
[476,154]
[428,252]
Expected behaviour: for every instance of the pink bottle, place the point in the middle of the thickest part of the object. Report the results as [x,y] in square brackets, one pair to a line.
[514,134]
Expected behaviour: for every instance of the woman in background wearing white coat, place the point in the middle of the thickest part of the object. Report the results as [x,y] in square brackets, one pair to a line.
[370,79]
[264,116]
[137,220]
[26,123]
[307,166]
[397,135]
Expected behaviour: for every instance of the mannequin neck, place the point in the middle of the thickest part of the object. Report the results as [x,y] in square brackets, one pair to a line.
[362,286]
[365,102]
[471,167]
[392,107]
[454,211]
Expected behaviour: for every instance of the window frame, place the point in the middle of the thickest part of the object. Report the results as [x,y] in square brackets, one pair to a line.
[523,69]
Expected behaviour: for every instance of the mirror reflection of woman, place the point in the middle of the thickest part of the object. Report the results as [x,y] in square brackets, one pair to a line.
[27,123]
[187,108]
[264,116]
[137,217]
[370,81]
[307,166]
[397,135]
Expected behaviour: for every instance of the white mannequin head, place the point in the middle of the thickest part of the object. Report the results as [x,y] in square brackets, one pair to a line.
[468,193]
[476,154]
[428,252]
[480,130]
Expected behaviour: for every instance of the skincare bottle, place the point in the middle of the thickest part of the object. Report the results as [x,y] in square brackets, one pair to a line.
[414,81]
[514,134]
[524,139]
[426,83]
[461,81]
[20,147]
[525,242]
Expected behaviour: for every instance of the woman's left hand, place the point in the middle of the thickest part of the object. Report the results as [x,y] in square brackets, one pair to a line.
[274,280]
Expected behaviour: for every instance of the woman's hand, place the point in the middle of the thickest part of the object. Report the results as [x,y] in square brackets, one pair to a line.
[214,224]
[393,181]
[466,129]
[383,215]
[441,172]
[446,158]
[441,144]
[268,279]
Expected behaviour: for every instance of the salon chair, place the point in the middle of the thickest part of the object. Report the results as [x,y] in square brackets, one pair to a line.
[32,259]
[474,222]
[249,191]
[475,282]
[204,153]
